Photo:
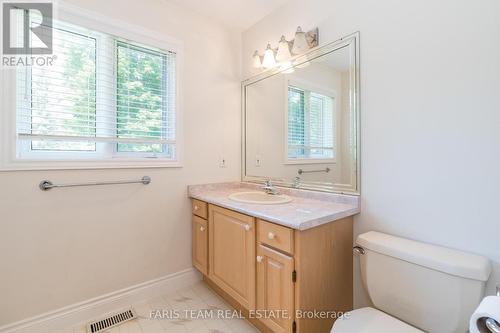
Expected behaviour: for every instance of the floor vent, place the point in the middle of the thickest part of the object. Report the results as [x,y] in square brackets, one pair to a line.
[111,321]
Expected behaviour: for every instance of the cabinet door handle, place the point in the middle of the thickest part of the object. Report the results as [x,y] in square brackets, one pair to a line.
[259,258]
[196,207]
[271,235]
[247,227]
[202,228]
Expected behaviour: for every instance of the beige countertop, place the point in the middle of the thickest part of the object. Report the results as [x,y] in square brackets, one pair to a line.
[308,209]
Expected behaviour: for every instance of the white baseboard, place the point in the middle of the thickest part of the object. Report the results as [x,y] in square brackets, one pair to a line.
[96,307]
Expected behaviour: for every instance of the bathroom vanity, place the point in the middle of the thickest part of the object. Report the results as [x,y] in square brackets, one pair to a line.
[283,255]
[280,261]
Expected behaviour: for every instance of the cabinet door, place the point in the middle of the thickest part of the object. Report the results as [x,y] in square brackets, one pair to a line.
[232,254]
[275,289]
[200,244]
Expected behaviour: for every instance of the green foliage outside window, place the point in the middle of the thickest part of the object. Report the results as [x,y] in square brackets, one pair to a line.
[140,97]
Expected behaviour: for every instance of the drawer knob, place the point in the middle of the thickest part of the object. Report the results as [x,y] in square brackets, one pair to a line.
[202,228]
[271,235]
[247,227]
[259,258]
[196,207]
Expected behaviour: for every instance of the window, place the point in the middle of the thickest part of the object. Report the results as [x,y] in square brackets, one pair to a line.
[144,107]
[310,125]
[103,98]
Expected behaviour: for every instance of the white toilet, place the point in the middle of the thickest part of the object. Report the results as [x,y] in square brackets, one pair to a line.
[415,287]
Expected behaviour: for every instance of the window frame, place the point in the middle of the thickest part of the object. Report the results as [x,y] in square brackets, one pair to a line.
[122,31]
[307,86]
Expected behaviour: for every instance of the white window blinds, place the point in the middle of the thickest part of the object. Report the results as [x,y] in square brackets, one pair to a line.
[102,97]
[145,100]
[310,125]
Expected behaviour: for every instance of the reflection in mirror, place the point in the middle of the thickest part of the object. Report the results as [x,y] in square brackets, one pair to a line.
[301,126]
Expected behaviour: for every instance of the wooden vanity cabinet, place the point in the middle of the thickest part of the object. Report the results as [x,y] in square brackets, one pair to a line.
[275,289]
[261,268]
[232,254]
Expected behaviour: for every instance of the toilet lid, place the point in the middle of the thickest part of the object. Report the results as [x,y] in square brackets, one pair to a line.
[370,320]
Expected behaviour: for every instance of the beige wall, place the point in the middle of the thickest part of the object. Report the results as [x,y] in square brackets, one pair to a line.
[429,114]
[69,245]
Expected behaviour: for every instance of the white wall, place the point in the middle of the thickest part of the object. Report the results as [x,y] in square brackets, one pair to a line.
[69,245]
[430,79]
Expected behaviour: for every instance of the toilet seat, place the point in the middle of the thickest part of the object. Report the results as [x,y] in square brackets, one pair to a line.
[370,320]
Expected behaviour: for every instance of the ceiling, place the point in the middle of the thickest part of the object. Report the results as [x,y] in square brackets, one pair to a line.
[240,14]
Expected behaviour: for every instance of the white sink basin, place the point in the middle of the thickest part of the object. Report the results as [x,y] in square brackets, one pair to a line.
[260,198]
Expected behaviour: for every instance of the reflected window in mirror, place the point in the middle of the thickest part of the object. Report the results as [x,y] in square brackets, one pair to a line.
[310,123]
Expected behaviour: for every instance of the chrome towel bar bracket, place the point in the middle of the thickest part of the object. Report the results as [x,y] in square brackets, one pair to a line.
[46,185]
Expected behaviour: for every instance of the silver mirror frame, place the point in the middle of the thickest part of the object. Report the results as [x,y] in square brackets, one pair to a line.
[314,53]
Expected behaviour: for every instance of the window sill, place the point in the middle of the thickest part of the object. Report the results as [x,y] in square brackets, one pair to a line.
[34,165]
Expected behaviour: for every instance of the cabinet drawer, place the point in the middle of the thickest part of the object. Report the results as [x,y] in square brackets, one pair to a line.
[276,236]
[200,208]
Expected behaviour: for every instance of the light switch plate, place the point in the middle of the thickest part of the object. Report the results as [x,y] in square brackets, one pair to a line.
[222,162]
[258,161]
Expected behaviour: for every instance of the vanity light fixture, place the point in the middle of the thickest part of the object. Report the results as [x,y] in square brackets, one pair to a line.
[257,62]
[283,53]
[269,59]
[282,56]
[300,44]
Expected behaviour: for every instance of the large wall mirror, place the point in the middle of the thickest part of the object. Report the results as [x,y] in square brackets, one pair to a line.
[301,124]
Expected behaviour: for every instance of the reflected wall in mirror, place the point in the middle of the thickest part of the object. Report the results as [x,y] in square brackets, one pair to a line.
[301,124]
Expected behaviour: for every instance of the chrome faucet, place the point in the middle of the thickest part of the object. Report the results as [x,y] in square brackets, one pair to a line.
[296,182]
[269,188]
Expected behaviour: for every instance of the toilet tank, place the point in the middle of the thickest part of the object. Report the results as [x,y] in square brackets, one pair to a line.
[433,288]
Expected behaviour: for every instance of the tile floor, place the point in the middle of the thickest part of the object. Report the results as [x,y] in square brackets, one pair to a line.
[208,313]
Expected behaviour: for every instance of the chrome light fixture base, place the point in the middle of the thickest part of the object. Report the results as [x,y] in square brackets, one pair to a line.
[312,37]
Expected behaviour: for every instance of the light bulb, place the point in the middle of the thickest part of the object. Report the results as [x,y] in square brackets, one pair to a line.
[286,67]
[283,50]
[257,63]
[269,60]
[300,44]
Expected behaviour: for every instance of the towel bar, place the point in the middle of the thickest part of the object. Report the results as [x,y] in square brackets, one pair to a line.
[46,185]
[300,171]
